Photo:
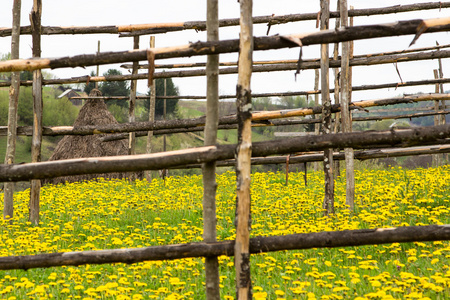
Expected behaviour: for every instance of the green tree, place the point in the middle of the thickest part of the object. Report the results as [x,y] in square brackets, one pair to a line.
[115,88]
[171,104]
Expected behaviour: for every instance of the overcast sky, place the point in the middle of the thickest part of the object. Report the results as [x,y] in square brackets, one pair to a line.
[119,12]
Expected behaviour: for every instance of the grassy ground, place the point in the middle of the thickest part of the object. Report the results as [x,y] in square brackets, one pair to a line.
[120,214]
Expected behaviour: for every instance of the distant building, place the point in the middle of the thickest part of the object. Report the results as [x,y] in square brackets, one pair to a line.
[70,93]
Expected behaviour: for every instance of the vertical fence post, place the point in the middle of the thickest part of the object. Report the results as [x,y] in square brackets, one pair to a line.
[165,171]
[132,104]
[8,208]
[98,66]
[316,103]
[36,143]
[337,115]
[346,118]
[212,279]
[437,119]
[151,114]
[328,202]
[243,153]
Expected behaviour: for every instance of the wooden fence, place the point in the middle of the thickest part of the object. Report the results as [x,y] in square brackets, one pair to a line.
[243,246]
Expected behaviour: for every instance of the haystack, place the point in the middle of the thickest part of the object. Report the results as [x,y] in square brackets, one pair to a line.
[94,112]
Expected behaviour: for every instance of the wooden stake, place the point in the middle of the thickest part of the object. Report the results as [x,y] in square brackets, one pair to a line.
[151,114]
[132,103]
[8,208]
[212,280]
[437,120]
[316,103]
[243,154]
[337,116]
[98,67]
[35,18]
[328,202]
[346,115]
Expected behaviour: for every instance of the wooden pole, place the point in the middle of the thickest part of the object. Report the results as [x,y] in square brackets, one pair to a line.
[155,28]
[437,120]
[98,67]
[157,161]
[328,202]
[244,153]
[326,239]
[132,103]
[316,103]
[8,208]
[212,279]
[35,18]
[164,171]
[151,115]
[230,46]
[337,115]
[346,115]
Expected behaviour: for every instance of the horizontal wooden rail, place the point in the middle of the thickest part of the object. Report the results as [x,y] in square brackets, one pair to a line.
[276,62]
[365,60]
[261,117]
[229,46]
[326,239]
[164,160]
[156,28]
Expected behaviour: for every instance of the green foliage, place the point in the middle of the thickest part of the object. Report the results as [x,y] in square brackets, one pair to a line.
[171,104]
[119,112]
[58,112]
[115,88]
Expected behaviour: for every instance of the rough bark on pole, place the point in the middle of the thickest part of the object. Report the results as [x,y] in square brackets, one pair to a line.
[151,114]
[358,140]
[98,67]
[229,46]
[437,120]
[346,115]
[328,202]
[132,103]
[8,208]
[243,153]
[36,142]
[316,103]
[337,115]
[212,279]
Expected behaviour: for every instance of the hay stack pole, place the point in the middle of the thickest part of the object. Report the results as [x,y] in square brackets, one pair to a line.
[35,18]
[8,208]
[328,202]
[151,114]
[209,169]
[243,153]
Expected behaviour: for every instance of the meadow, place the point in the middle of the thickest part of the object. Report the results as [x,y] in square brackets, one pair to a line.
[121,214]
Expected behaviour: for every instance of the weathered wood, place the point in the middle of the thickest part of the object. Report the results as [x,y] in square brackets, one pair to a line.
[326,239]
[328,202]
[358,140]
[151,114]
[360,155]
[244,153]
[8,202]
[132,103]
[365,60]
[273,62]
[298,93]
[155,28]
[212,280]
[226,46]
[337,118]
[229,120]
[316,103]
[346,115]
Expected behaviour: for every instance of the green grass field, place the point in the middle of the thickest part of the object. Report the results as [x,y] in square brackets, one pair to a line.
[120,214]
